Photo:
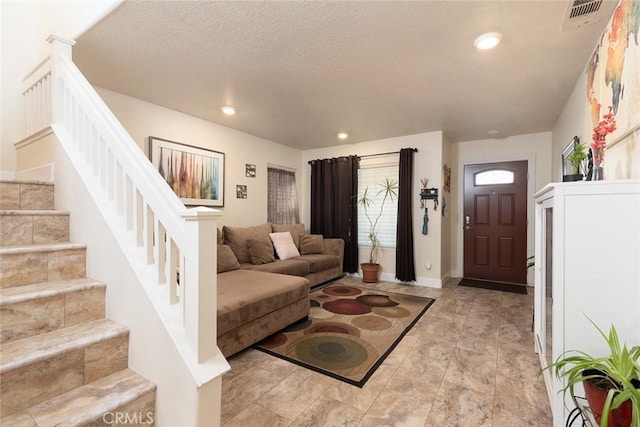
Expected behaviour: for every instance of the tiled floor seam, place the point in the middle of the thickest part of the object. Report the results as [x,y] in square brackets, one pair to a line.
[426,423]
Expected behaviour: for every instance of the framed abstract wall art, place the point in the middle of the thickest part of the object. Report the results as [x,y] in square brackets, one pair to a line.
[195,174]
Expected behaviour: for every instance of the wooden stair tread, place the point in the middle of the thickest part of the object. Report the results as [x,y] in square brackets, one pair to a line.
[15,354]
[45,247]
[27,212]
[25,181]
[23,293]
[88,403]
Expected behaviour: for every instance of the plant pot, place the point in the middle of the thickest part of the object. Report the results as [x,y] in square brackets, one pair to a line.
[572,177]
[596,396]
[370,272]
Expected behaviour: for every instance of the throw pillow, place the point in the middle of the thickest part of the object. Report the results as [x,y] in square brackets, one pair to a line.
[237,238]
[311,244]
[227,260]
[283,242]
[261,251]
[295,229]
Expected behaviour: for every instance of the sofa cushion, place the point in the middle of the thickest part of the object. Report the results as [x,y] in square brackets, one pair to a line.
[261,251]
[283,243]
[319,262]
[295,229]
[227,260]
[245,295]
[293,267]
[219,236]
[311,244]
[237,238]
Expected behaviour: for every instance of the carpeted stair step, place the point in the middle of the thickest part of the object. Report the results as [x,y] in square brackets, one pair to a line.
[28,264]
[26,195]
[38,368]
[28,227]
[124,394]
[44,307]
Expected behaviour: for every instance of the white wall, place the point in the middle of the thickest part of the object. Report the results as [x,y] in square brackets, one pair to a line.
[142,119]
[536,148]
[26,25]
[427,164]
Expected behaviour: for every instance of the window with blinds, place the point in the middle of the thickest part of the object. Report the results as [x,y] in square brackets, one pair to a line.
[373,177]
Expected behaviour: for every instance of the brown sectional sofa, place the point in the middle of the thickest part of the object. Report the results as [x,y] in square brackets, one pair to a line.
[258,293]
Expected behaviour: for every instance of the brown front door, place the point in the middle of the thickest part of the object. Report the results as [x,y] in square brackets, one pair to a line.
[495,221]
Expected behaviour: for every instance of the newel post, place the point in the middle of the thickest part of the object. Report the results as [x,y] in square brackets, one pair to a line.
[200,284]
[60,48]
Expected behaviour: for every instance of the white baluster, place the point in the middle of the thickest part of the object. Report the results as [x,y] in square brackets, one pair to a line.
[139,218]
[161,252]
[128,202]
[172,267]
[149,229]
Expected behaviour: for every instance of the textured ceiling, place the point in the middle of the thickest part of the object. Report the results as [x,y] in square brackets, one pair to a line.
[299,72]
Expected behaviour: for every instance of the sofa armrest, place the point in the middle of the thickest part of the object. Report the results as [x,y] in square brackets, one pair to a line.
[335,247]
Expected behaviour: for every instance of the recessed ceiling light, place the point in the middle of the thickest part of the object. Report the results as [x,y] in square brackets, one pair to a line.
[228,110]
[343,135]
[487,41]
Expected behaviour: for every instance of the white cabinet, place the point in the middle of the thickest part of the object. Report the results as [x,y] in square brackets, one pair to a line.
[587,263]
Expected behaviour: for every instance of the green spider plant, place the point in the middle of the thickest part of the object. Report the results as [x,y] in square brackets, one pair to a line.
[618,369]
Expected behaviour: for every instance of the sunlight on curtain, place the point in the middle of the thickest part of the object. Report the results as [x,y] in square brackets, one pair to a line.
[282,197]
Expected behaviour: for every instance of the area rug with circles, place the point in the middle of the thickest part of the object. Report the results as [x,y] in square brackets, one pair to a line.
[349,332]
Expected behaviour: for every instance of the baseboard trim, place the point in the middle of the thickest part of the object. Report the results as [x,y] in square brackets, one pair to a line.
[420,281]
[44,173]
[36,136]
[7,176]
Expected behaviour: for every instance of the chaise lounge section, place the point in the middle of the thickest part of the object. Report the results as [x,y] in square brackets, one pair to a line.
[262,290]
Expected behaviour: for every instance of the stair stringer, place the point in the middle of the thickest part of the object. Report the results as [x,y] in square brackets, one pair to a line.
[180,400]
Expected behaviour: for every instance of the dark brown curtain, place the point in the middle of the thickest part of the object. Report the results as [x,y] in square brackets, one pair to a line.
[334,207]
[405,270]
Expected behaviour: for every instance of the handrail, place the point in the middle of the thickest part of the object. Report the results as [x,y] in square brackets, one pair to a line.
[169,245]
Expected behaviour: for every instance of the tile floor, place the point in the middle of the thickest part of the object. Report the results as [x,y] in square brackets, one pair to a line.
[469,361]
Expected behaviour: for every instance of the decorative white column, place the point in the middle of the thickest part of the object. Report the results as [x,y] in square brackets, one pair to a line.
[200,284]
[60,50]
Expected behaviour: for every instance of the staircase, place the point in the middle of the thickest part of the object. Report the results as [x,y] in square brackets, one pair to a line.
[61,362]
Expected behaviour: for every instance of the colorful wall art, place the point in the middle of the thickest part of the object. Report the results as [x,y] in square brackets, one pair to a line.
[195,174]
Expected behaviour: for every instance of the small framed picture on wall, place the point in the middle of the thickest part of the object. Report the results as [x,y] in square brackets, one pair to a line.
[250,170]
[241,191]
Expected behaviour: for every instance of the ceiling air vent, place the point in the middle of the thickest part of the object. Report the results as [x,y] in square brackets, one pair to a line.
[580,13]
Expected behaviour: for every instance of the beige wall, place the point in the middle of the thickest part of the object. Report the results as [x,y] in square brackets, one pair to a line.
[446,215]
[142,119]
[535,148]
[26,25]
[427,164]
[622,160]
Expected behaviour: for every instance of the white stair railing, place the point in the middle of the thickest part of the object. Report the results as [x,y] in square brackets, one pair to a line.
[171,248]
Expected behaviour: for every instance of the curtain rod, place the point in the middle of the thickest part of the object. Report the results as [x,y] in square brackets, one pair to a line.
[415,150]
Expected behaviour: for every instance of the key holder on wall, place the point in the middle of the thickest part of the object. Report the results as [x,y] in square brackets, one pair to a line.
[429,194]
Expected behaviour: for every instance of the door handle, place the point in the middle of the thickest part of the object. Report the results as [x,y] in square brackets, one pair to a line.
[467,222]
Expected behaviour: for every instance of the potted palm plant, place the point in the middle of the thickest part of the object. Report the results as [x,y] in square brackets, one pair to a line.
[388,190]
[611,382]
